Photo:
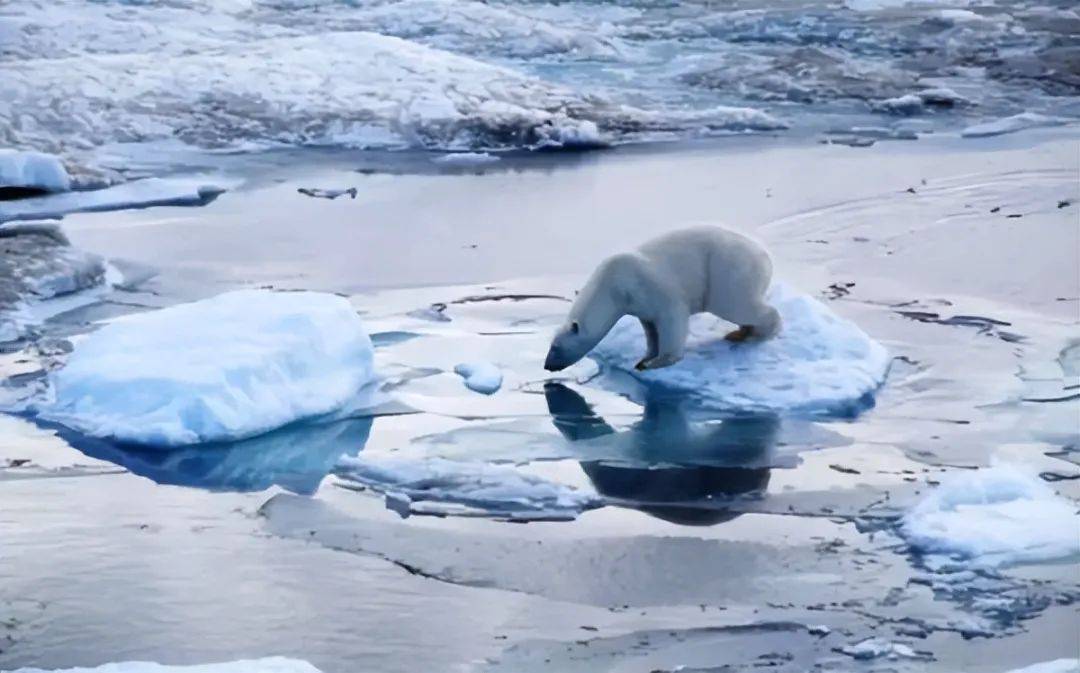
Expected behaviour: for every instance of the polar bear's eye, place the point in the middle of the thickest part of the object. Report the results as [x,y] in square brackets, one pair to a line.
[574,327]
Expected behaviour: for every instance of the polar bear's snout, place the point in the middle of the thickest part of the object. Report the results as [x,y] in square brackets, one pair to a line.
[568,346]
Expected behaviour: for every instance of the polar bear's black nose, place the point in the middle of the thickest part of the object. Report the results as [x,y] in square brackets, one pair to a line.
[554,361]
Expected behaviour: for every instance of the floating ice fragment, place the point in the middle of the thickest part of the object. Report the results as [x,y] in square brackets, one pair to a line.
[137,194]
[992,517]
[819,363]
[482,377]
[876,648]
[32,172]
[440,486]
[327,193]
[221,369]
[1020,122]
[1056,666]
[466,159]
[268,665]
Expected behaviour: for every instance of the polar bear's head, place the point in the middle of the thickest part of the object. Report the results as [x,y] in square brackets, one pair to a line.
[596,309]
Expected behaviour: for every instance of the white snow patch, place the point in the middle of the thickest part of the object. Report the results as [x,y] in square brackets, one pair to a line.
[996,516]
[34,170]
[818,363]
[466,159]
[221,369]
[1020,122]
[482,377]
[268,665]
[440,486]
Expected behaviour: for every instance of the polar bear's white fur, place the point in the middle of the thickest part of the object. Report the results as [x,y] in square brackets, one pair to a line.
[665,281]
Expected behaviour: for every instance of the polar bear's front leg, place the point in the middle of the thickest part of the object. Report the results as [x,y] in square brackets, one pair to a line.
[666,337]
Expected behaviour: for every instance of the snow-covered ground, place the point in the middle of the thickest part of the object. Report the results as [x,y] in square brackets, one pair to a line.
[82,78]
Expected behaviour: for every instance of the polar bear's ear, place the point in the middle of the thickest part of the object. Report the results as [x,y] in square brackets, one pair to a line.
[575,327]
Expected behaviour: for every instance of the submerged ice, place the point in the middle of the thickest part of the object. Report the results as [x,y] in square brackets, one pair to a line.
[818,363]
[221,369]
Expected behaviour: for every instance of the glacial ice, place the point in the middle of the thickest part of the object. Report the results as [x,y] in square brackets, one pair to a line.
[481,377]
[33,170]
[190,191]
[221,369]
[268,665]
[1019,122]
[818,363]
[38,264]
[440,486]
[466,159]
[992,517]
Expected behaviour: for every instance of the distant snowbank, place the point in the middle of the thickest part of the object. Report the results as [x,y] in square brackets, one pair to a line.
[819,363]
[269,665]
[222,369]
[33,170]
[447,487]
[993,517]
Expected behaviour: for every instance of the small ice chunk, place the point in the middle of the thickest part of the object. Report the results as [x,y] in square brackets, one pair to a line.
[466,159]
[136,194]
[440,486]
[818,363]
[481,377]
[910,104]
[1020,122]
[876,648]
[32,171]
[268,665]
[992,517]
[221,369]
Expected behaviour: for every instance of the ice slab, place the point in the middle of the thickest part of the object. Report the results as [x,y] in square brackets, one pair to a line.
[1020,122]
[819,363]
[268,665]
[1056,666]
[993,517]
[482,377]
[442,487]
[137,194]
[32,171]
[221,369]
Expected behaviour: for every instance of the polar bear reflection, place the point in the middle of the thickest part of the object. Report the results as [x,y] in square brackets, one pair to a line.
[674,470]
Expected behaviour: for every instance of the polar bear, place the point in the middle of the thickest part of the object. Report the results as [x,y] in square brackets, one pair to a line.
[665,281]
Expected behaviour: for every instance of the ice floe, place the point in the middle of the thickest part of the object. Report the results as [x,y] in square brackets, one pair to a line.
[992,517]
[818,363]
[440,486]
[221,369]
[482,377]
[32,171]
[193,191]
[268,665]
[1056,666]
[1019,122]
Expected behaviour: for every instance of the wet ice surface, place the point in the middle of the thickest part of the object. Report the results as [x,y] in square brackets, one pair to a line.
[451,75]
[698,540]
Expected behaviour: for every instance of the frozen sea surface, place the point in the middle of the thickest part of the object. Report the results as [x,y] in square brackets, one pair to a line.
[83,78]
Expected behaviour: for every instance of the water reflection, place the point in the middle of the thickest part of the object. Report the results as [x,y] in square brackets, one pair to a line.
[296,457]
[673,469]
